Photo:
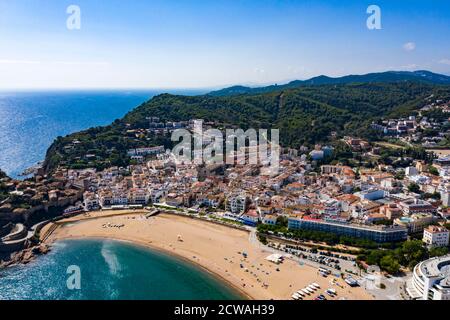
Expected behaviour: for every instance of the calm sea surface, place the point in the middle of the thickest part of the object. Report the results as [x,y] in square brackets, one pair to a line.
[110,270]
[30,121]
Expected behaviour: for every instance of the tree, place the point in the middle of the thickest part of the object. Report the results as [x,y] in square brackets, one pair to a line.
[374,257]
[262,238]
[414,187]
[413,251]
[400,175]
[389,264]
[282,221]
[433,170]
[437,252]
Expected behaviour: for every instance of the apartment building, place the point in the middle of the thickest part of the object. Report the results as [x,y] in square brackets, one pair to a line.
[375,233]
[236,204]
[435,236]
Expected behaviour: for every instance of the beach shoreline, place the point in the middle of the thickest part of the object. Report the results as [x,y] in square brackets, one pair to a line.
[148,246]
[215,249]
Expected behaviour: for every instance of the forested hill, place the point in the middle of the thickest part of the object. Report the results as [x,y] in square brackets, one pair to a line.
[421,76]
[305,116]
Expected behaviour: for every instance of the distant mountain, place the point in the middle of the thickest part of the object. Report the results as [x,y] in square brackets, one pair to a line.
[422,76]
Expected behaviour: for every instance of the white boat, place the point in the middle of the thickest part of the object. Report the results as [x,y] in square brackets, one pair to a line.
[309,290]
[311,287]
[315,285]
[301,293]
[305,292]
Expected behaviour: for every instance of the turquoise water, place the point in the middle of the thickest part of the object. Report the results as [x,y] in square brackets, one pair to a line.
[110,270]
[30,121]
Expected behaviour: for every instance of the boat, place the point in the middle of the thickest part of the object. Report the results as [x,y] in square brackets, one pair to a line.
[305,292]
[297,296]
[301,293]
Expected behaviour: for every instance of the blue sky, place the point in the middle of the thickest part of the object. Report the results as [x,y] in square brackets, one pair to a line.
[198,44]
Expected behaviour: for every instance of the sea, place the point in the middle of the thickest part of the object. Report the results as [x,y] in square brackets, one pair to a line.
[94,269]
[31,120]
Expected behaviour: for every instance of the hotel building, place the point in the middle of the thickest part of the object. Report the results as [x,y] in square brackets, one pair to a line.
[375,233]
[431,280]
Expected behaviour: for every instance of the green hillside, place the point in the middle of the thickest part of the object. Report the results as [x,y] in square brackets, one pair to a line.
[305,116]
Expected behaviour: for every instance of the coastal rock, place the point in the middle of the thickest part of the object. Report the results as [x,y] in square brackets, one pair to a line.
[41,249]
[26,256]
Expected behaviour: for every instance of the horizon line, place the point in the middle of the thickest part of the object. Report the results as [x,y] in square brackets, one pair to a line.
[213,87]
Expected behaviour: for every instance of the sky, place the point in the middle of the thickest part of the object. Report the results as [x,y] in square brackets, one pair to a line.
[214,43]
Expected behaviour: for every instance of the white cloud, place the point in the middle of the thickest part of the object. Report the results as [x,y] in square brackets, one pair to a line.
[67,63]
[7,61]
[82,63]
[259,71]
[411,66]
[409,46]
[444,61]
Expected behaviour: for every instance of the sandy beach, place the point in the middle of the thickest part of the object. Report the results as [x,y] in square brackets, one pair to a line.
[214,247]
[440,152]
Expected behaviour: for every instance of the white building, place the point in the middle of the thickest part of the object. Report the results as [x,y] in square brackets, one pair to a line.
[270,219]
[412,206]
[420,179]
[445,197]
[431,280]
[119,198]
[236,204]
[372,194]
[332,207]
[90,201]
[411,171]
[146,151]
[250,218]
[436,236]
[105,198]
[138,196]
